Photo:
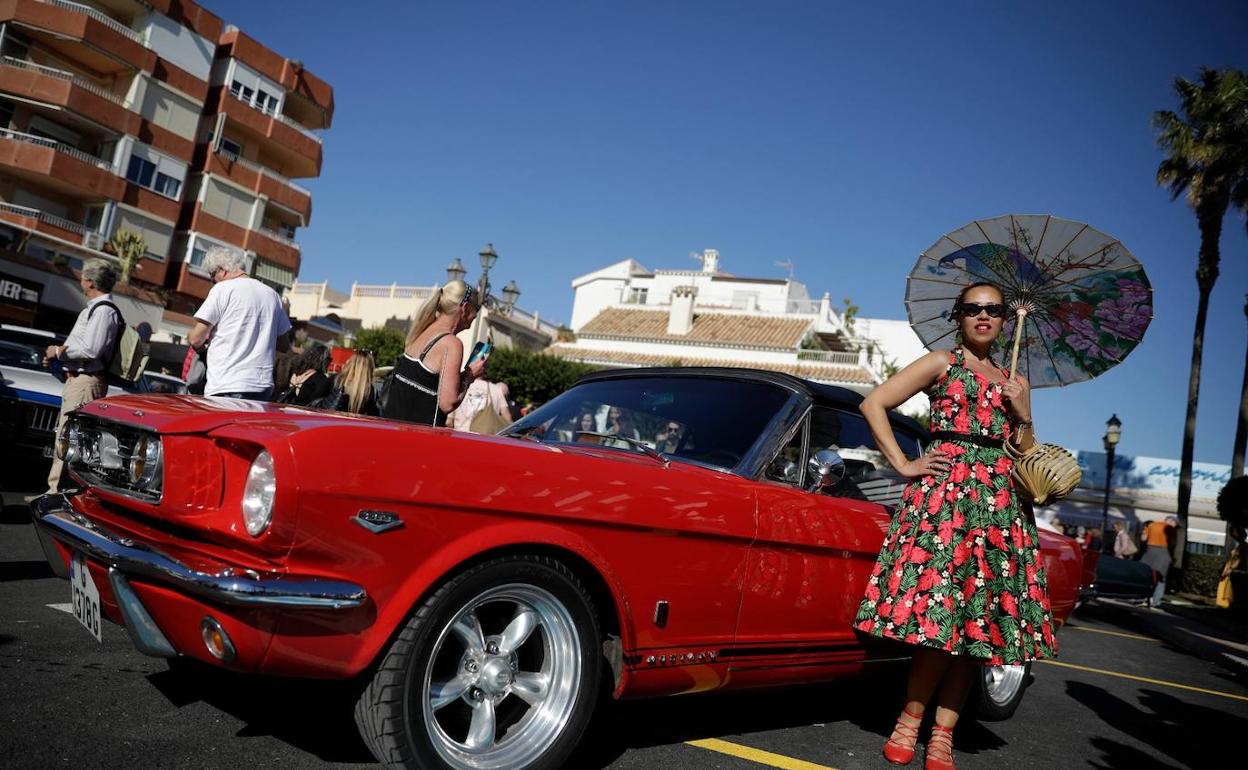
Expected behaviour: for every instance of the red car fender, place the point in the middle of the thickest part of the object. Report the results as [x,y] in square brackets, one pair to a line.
[506,536]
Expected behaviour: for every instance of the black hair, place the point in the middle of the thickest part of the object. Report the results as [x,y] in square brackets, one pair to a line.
[953,314]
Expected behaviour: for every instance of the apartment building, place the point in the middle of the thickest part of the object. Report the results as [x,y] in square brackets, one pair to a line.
[156,117]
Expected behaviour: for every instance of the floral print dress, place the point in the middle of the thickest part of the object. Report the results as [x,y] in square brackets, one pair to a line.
[960,569]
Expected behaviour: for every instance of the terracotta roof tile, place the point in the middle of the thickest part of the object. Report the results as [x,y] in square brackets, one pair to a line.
[809,370]
[708,328]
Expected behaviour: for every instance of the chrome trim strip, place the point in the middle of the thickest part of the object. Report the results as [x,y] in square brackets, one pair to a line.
[144,632]
[54,514]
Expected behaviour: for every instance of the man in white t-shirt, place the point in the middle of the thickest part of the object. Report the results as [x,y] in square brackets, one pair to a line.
[246,323]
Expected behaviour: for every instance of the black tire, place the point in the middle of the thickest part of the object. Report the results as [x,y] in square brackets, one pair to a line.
[995,702]
[394,714]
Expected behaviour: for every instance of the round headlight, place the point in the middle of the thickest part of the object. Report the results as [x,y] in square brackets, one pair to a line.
[67,441]
[145,461]
[258,494]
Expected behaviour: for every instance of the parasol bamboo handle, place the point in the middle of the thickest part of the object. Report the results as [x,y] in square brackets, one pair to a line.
[1018,338]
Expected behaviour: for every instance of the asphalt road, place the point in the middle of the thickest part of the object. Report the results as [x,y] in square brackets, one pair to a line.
[1115,698]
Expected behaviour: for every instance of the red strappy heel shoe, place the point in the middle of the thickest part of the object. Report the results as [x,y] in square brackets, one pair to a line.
[899,748]
[939,749]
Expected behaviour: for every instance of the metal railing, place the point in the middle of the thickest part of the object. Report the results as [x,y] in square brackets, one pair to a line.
[847,358]
[61,147]
[102,18]
[279,237]
[280,118]
[43,216]
[259,169]
[299,127]
[77,80]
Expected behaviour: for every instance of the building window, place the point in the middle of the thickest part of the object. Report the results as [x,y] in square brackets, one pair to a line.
[259,98]
[143,173]
[167,185]
[637,296]
[231,149]
[198,252]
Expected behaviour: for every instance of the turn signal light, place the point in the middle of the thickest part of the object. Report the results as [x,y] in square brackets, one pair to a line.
[216,640]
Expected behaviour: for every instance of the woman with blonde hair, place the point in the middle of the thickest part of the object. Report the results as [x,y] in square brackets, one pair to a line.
[353,388]
[428,382]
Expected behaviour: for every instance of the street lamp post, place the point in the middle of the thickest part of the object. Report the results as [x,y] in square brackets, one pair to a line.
[1113,432]
[455,271]
[488,257]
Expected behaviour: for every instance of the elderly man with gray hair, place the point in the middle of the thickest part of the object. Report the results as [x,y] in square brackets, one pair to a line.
[246,323]
[89,348]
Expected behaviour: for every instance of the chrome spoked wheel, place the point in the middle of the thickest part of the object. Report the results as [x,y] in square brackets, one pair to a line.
[502,680]
[1003,683]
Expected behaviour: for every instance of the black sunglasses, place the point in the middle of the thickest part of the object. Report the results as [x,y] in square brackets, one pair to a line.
[972,309]
[364,351]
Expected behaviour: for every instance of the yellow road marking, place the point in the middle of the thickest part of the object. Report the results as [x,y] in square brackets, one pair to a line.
[1161,682]
[1111,633]
[756,755]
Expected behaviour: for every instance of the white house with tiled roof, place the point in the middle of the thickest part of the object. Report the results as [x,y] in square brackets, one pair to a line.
[625,315]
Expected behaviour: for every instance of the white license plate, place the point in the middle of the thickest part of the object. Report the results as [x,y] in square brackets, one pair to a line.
[47,453]
[84,596]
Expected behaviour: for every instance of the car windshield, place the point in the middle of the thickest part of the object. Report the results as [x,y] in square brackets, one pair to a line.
[706,420]
[25,351]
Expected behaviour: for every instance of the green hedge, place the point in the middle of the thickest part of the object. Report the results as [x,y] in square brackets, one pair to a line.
[1201,573]
[533,377]
[386,344]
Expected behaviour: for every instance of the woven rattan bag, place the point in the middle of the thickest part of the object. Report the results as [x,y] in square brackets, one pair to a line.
[1045,473]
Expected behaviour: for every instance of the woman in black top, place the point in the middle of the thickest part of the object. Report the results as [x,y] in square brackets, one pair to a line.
[427,381]
[308,383]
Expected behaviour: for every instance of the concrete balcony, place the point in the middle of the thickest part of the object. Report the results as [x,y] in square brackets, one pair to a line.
[265,243]
[298,148]
[81,33]
[260,180]
[39,221]
[58,165]
[67,90]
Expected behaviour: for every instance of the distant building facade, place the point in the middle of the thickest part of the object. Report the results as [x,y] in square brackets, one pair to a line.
[626,315]
[393,305]
[1145,489]
[152,117]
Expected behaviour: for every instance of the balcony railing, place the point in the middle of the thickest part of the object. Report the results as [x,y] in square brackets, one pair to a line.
[392,291]
[843,357]
[280,118]
[104,19]
[77,80]
[43,216]
[259,169]
[279,237]
[299,127]
[60,147]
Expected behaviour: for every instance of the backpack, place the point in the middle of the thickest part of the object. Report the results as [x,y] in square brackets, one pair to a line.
[130,352]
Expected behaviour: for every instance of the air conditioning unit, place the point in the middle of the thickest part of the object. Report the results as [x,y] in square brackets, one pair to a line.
[93,240]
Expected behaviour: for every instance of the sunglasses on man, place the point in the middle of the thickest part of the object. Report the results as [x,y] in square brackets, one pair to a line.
[973,309]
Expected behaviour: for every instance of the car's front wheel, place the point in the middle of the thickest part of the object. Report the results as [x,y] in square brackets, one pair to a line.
[499,668]
[1000,690]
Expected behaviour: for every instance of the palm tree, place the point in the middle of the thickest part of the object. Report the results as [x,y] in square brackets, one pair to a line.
[129,247]
[1207,158]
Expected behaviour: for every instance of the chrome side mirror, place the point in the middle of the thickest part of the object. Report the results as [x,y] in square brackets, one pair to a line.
[826,468]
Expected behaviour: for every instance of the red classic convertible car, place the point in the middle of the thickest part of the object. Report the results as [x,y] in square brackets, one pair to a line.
[655,532]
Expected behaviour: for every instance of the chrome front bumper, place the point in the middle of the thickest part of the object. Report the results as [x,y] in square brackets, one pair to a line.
[56,519]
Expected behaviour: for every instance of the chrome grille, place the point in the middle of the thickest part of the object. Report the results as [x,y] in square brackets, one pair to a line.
[41,418]
[103,454]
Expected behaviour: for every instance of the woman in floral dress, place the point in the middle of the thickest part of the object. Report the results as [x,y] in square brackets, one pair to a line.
[960,575]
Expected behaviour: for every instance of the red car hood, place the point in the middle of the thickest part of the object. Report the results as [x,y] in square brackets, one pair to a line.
[199,414]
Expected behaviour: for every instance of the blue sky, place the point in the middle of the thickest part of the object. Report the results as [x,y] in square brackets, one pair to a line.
[843,137]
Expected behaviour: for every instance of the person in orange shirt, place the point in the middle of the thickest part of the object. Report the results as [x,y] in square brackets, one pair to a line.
[1157,536]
